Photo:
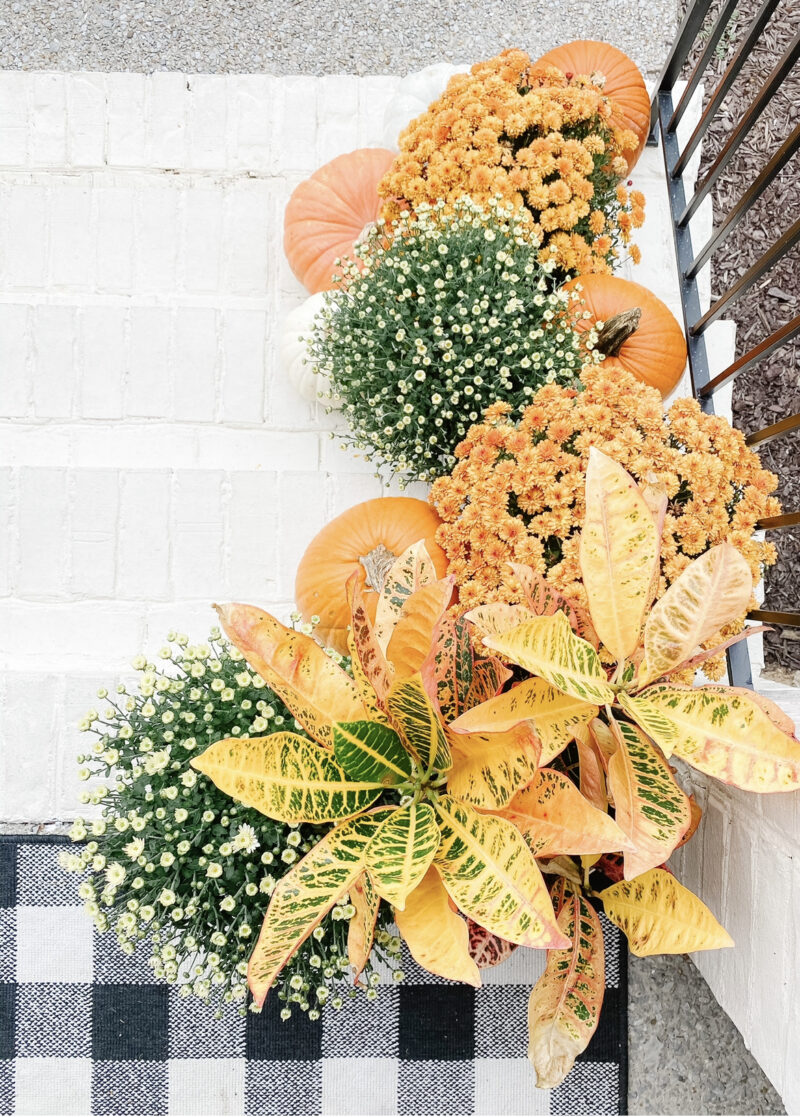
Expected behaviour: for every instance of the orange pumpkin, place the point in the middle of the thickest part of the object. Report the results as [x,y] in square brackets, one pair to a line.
[328,213]
[365,539]
[623,83]
[650,344]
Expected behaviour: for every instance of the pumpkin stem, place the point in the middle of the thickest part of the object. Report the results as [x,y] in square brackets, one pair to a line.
[377,565]
[617,330]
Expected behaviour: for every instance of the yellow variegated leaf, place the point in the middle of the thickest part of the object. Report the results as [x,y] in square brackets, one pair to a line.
[497,617]
[555,716]
[286,777]
[306,894]
[724,732]
[371,753]
[660,916]
[547,646]
[401,851]
[619,551]
[555,818]
[488,768]
[418,723]
[413,632]
[543,600]
[372,673]
[435,933]
[361,928]
[448,668]
[650,807]
[712,591]
[409,572]
[564,1006]
[316,691]
[492,876]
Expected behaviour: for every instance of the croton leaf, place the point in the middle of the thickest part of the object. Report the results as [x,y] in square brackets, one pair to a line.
[591,770]
[619,551]
[418,723]
[401,851]
[306,894]
[435,933]
[711,592]
[564,1006]
[371,753]
[286,777]
[488,950]
[370,667]
[410,571]
[492,876]
[555,716]
[361,928]
[555,818]
[317,692]
[489,768]
[659,916]
[497,617]
[733,735]
[543,600]
[488,678]
[548,647]
[447,669]
[413,632]
[650,806]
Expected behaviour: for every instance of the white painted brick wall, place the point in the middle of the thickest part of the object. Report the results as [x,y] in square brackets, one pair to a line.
[152,457]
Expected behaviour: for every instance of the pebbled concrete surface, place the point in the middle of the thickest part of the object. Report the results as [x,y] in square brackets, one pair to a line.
[313,36]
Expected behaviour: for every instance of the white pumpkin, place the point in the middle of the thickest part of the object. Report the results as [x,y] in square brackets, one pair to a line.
[294,355]
[413,96]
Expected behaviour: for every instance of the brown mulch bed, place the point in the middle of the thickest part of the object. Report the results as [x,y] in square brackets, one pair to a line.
[771,390]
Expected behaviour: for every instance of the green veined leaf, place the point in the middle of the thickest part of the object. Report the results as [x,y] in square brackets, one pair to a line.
[410,571]
[488,677]
[316,691]
[306,894]
[564,1006]
[492,876]
[737,737]
[401,851]
[286,777]
[619,550]
[555,818]
[371,753]
[555,716]
[488,768]
[659,916]
[650,807]
[447,670]
[548,647]
[435,933]
[361,928]
[418,723]
[543,600]
[710,593]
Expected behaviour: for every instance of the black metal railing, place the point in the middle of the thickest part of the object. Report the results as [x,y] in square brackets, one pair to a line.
[665,117]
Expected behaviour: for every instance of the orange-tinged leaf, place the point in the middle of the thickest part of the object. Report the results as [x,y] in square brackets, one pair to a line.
[488,677]
[492,876]
[410,571]
[317,692]
[369,663]
[697,815]
[604,739]
[564,1006]
[659,916]
[447,669]
[435,934]
[361,928]
[489,768]
[555,716]
[412,636]
[555,818]
[710,593]
[619,551]
[731,734]
[650,807]
[543,600]
[486,949]
[591,770]
[497,617]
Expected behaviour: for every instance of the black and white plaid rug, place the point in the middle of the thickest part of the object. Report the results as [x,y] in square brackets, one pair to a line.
[85,1030]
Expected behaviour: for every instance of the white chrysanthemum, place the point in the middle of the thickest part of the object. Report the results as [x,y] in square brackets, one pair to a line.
[245,839]
[135,848]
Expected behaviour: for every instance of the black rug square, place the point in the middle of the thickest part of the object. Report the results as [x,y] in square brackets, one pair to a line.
[270,1038]
[130,1022]
[437,1022]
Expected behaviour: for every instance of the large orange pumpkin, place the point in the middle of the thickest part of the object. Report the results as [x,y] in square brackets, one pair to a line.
[365,539]
[649,344]
[328,212]
[624,84]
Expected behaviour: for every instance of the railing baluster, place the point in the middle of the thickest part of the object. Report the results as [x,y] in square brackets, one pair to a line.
[771,616]
[696,76]
[773,523]
[753,356]
[687,33]
[762,437]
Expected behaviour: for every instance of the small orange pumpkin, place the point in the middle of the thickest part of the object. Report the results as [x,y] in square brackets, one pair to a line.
[366,539]
[640,333]
[623,83]
[327,214]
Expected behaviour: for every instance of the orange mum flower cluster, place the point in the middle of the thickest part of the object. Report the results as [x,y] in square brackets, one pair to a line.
[516,493]
[534,138]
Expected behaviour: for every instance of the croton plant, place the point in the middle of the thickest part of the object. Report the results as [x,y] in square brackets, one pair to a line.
[506,771]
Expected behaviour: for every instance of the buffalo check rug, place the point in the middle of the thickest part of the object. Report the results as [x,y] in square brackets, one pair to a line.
[85,1030]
